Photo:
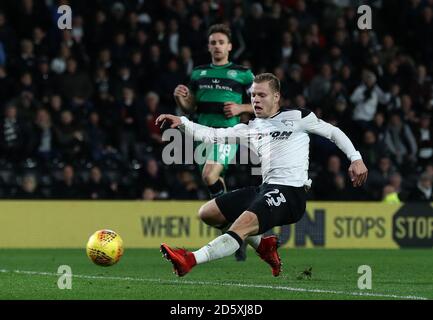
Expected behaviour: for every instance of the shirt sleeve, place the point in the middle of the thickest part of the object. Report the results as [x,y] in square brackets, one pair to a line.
[238,134]
[312,124]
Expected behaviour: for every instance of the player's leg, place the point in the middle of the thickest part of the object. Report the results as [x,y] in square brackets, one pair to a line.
[247,225]
[244,227]
[225,245]
[210,214]
[274,205]
[230,206]
[211,176]
[218,157]
[219,212]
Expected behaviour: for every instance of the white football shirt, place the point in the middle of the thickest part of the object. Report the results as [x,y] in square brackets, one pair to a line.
[281,141]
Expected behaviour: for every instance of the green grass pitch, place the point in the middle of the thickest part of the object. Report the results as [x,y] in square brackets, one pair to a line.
[143,274]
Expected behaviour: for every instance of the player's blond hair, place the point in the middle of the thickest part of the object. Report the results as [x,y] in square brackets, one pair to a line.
[274,82]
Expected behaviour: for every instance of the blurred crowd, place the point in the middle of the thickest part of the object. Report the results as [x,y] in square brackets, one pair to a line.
[78,106]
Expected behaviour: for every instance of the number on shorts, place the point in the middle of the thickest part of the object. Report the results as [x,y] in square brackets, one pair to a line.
[275,198]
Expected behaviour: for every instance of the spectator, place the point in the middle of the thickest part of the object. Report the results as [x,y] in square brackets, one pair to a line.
[422,87]
[320,85]
[55,108]
[69,187]
[379,177]
[149,194]
[390,195]
[186,63]
[286,49]
[28,189]
[173,37]
[58,64]
[45,138]
[395,180]
[365,98]
[424,140]
[129,107]
[99,144]
[74,83]
[44,79]
[102,82]
[153,111]
[371,149]
[408,113]
[185,187]
[137,64]
[169,79]
[423,189]
[295,85]
[124,79]
[7,89]
[388,50]
[13,135]
[104,60]
[400,141]
[326,181]
[72,141]
[154,67]
[98,188]
[40,42]
[342,191]
[379,126]
[152,177]
[26,60]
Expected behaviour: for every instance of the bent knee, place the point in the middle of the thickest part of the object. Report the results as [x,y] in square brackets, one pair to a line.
[203,212]
[210,214]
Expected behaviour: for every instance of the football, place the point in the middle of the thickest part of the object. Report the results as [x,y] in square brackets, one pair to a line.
[105,247]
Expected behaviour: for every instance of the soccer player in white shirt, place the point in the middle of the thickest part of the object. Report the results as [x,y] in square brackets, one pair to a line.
[280,138]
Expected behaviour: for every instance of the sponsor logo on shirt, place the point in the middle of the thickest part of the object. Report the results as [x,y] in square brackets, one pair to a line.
[276,135]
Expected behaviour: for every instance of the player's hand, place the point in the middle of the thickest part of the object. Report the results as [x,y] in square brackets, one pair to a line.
[358,173]
[232,109]
[181,91]
[168,119]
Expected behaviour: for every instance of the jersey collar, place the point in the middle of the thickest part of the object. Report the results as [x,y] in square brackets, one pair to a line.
[276,114]
[222,66]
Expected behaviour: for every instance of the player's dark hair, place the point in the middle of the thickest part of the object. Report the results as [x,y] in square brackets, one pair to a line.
[274,82]
[220,28]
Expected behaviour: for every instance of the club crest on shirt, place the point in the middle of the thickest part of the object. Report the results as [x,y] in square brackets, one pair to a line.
[232,73]
[287,122]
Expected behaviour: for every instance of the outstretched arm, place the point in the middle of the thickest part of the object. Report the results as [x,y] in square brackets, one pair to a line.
[236,134]
[357,171]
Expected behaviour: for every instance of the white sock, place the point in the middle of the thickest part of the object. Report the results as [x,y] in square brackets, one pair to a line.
[254,241]
[223,246]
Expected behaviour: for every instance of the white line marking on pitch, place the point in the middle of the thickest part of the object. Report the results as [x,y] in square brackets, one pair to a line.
[229,284]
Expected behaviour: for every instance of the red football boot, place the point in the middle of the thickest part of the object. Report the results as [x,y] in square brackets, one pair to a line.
[182,260]
[267,250]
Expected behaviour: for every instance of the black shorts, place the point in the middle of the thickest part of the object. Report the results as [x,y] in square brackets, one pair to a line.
[274,205]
